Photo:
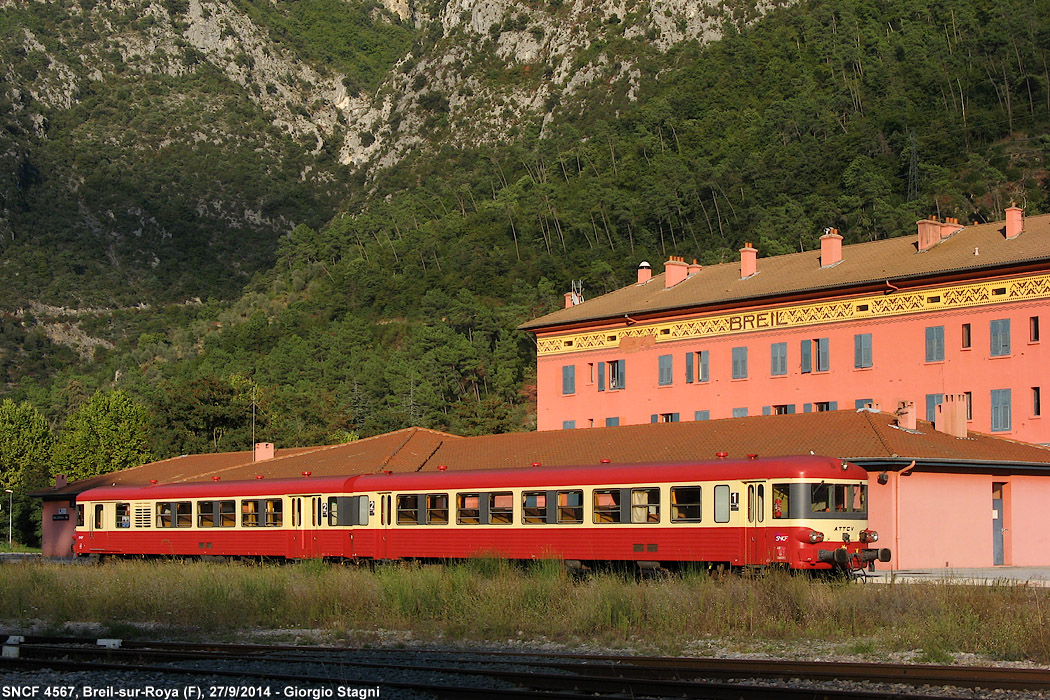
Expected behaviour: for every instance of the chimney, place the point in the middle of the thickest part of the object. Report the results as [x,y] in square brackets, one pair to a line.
[949,227]
[950,416]
[60,480]
[695,267]
[906,414]
[263,450]
[830,248]
[645,272]
[1014,221]
[571,299]
[675,271]
[748,261]
[929,233]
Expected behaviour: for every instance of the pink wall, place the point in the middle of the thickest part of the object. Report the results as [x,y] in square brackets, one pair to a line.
[899,372]
[1027,537]
[57,535]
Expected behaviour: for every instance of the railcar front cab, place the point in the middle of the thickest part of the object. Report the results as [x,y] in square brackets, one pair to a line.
[822,522]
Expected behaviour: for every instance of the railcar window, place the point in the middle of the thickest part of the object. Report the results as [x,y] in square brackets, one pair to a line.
[80,515]
[468,508]
[123,515]
[98,516]
[501,508]
[249,513]
[722,503]
[534,507]
[849,498]
[407,509]
[165,515]
[174,514]
[274,512]
[216,514]
[437,509]
[820,498]
[685,504]
[781,501]
[570,506]
[645,505]
[606,505]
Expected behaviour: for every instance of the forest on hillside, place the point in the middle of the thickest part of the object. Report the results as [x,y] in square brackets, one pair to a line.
[401,309]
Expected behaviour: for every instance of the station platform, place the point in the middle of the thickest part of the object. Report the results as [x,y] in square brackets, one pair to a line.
[992,575]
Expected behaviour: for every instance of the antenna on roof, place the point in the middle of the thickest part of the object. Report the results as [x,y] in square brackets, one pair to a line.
[577,290]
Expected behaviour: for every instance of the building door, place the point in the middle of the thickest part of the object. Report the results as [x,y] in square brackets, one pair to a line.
[998,554]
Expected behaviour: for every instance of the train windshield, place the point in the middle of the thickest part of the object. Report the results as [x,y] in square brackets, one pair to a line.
[820,500]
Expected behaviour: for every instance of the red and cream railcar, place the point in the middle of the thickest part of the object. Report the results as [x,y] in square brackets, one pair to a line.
[285,518]
[800,512]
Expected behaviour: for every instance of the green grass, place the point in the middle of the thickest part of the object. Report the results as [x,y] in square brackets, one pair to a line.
[493,601]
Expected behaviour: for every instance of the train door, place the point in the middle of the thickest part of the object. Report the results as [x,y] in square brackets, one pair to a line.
[307,516]
[755,545]
[386,520]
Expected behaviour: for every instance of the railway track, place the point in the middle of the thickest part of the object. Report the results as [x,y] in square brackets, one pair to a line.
[230,672]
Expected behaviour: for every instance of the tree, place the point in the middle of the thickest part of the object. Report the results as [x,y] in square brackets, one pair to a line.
[109,433]
[25,456]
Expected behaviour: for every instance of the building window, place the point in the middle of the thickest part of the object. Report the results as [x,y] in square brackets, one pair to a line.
[969,405]
[966,336]
[740,363]
[740,412]
[612,422]
[815,355]
[616,373]
[568,379]
[1033,329]
[701,366]
[862,350]
[666,370]
[783,409]
[1000,410]
[820,406]
[664,418]
[1036,404]
[568,424]
[932,402]
[778,359]
[702,415]
[1000,331]
[935,344]
[862,403]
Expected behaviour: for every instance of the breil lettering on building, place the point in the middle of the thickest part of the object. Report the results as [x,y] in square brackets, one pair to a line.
[953,310]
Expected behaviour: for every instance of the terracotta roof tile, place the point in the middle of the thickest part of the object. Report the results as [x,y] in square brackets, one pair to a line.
[979,247]
[854,435]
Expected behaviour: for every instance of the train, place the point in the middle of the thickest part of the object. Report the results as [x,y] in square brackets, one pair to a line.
[796,512]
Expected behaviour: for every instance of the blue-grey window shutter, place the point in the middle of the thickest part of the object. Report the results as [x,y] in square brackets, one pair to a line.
[689,368]
[655,418]
[568,379]
[702,415]
[807,355]
[932,401]
[791,408]
[623,373]
[674,417]
[601,376]
[807,408]
[823,359]
[612,422]
[703,367]
[766,410]
[833,405]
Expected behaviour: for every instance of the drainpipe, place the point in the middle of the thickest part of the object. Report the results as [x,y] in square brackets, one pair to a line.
[897,509]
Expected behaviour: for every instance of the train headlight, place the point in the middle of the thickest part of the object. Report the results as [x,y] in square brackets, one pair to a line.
[815,536]
[869,536]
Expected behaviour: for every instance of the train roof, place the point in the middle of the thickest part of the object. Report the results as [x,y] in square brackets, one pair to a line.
[795,466]
[219,489]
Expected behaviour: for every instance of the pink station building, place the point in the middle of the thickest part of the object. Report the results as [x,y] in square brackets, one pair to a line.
[955,312]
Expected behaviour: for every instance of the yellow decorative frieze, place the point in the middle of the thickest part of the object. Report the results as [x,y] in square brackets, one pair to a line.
[812,314]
